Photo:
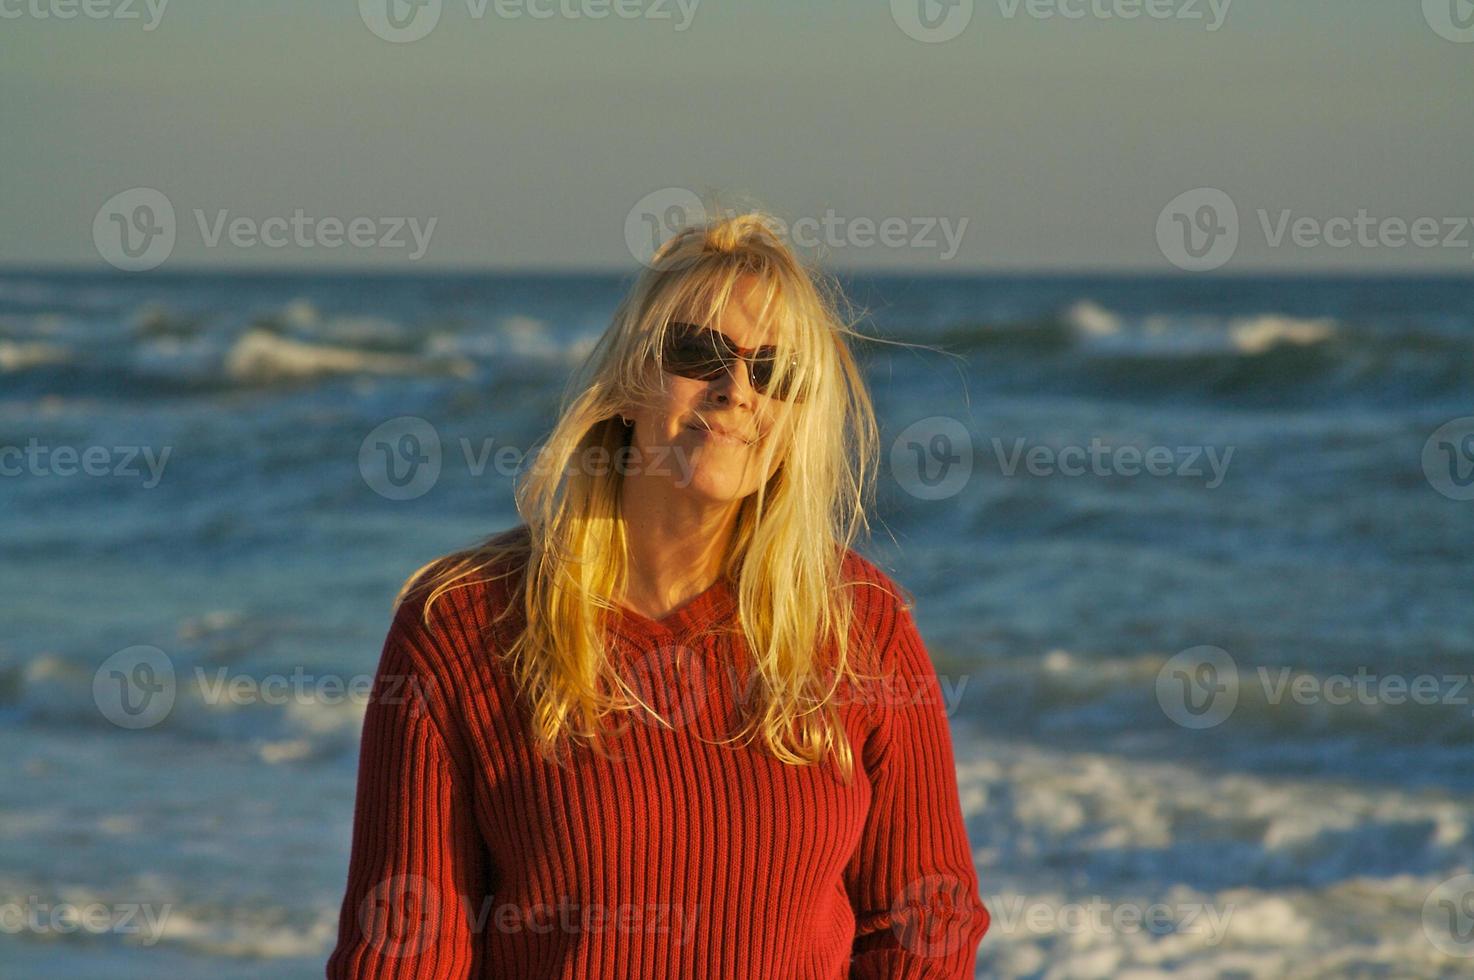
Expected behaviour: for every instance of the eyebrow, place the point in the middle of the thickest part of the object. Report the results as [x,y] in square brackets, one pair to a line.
[772,348]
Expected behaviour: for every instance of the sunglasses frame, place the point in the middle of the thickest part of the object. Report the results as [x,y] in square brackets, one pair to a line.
[727,350]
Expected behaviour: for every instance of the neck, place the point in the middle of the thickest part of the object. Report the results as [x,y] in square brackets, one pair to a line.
[676,543]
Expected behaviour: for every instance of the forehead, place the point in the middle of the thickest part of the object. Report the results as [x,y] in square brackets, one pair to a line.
[743,317]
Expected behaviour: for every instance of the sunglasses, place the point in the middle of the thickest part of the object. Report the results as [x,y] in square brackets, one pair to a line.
[700,353]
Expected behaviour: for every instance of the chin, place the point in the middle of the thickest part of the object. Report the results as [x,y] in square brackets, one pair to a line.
[717,488]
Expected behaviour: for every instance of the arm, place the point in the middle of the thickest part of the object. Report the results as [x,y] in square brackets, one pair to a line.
[912,881]
[417,873]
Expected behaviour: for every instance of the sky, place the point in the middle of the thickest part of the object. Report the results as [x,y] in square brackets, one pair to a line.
[1020,137]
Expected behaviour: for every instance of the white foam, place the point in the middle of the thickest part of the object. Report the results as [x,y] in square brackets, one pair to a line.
[20,355]
[1089,317]
[363,330]
[1054,830]
[263,356]
[248,935]
[212,622]
[1255,335]
[301,314]
[527,335]
[517,336]
[287,750]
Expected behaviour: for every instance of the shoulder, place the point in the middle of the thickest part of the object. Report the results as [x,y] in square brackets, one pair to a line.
[451,608]
[489,570]
[873,588]
[904,660]
[882,606]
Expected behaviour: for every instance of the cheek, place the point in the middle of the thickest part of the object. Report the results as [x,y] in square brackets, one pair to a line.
[779,430]
[665,413]
[681,395]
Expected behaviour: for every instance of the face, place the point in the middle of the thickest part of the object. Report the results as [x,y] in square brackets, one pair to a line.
[694,415]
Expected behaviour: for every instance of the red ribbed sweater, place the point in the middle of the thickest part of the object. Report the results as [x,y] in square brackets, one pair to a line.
[473,857]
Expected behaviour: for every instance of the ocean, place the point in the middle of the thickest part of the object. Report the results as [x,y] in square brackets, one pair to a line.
[1190,554]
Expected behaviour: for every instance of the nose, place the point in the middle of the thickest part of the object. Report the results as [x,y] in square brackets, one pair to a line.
[734,385]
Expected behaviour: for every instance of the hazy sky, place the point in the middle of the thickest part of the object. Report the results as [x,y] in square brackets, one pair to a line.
[528,141]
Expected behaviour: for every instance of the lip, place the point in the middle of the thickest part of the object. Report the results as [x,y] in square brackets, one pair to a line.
[719,434]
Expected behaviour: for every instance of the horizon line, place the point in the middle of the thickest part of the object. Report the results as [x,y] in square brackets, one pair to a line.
[401,271]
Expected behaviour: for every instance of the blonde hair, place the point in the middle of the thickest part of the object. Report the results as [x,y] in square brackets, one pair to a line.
[791,535]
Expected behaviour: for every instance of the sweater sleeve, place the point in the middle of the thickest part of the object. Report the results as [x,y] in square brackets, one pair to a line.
[911,880]
[417,871]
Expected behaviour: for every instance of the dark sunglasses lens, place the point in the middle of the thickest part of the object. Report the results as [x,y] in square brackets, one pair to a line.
[691,353]
[702,354]
[762,370]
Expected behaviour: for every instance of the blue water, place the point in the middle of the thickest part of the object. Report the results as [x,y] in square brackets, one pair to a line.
[261,547]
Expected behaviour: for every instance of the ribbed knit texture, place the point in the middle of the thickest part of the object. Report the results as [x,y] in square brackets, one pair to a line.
[474,857]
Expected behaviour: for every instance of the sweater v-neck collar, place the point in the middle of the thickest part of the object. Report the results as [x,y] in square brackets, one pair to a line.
[700,610]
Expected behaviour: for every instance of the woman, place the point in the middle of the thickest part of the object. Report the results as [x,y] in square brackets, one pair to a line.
[671,726]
